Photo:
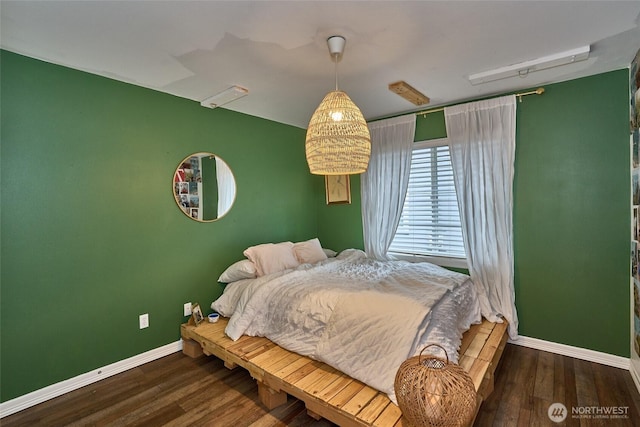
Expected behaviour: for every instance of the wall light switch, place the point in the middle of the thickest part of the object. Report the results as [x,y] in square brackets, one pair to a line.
[144,321]
[187,309]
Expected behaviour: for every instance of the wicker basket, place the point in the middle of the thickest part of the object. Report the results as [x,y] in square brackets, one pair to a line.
[435,392]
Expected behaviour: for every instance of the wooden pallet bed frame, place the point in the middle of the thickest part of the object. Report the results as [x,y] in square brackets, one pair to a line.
[327,392]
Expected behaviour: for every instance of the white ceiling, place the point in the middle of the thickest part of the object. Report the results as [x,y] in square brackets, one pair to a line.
[277,49]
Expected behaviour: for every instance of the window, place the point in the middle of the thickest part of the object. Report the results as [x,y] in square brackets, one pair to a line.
[430,221]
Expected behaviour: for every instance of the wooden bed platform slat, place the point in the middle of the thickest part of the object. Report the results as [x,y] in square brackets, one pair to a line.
[327,392]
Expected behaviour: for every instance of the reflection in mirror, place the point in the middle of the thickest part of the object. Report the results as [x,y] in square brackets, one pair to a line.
[204,187]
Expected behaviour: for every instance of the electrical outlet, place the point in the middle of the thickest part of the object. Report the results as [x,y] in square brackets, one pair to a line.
[187,309]
[144,321]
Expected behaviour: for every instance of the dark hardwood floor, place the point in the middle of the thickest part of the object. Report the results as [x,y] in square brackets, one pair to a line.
[179,391]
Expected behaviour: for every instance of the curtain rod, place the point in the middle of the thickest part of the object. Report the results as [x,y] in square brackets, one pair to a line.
[538,91]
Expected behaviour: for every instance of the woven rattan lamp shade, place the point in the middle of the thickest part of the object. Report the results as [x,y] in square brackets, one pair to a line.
[434,392]
[338,140]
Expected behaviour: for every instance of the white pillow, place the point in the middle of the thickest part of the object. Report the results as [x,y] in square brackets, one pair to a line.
[271,257]
[243,269]
[329,253]
[309,251]
[352,254]
[228,301]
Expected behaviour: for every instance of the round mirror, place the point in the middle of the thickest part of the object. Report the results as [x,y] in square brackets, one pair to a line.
[204,187]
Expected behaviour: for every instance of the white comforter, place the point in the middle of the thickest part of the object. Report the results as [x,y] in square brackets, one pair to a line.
[361,316]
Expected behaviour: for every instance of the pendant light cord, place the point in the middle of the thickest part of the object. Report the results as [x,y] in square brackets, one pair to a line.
[335,61]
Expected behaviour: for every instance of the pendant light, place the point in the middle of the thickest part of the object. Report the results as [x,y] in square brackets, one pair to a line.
[338,140]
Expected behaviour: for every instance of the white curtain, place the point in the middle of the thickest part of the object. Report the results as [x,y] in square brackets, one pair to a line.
[226,187]
[383,186]
[482,139]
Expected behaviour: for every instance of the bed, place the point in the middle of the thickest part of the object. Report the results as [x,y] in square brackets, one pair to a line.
[355,317]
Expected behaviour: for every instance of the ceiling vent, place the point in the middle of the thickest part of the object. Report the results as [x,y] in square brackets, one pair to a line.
[225,97]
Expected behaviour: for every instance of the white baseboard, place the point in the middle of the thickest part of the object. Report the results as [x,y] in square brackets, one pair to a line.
[635,375]
[575,352]
[26,401]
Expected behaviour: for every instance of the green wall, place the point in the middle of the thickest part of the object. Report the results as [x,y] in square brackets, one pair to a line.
[209,200]
[571,212]
[90,234]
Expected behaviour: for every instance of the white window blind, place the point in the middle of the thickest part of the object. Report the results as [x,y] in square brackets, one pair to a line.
[430,221]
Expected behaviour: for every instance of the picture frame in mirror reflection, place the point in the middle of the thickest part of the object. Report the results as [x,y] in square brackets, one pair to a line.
[338,189]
